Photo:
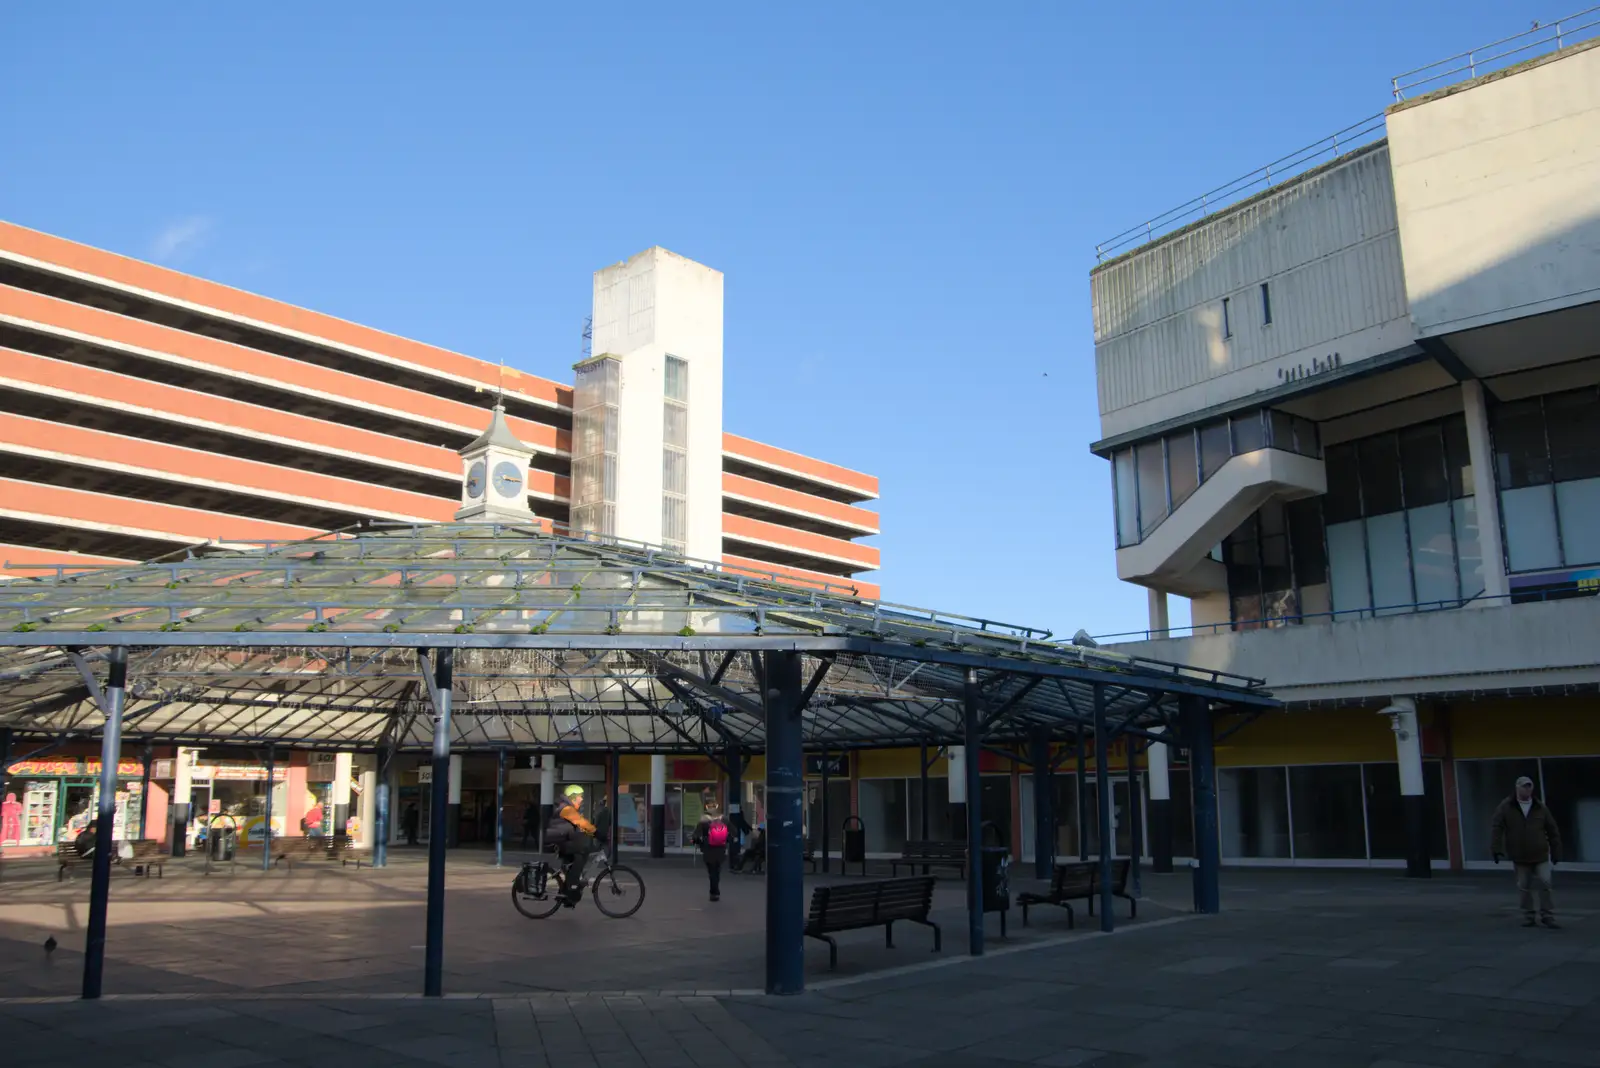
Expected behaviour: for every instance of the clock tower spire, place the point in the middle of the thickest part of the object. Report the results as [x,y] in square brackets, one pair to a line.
[494,486]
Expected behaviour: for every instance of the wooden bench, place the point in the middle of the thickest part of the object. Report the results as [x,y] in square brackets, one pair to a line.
[853,906]
[1080,881]
[932,855]
[292,851]
[148,856]
[68,857]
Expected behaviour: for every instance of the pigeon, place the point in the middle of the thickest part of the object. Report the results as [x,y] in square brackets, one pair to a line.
[50,944]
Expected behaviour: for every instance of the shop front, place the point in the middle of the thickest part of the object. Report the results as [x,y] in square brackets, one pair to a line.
[53,799]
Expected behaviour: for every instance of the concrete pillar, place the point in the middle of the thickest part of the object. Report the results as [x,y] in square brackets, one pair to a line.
[94,952]
[1496,586]
[182,791]
[1402,713]
[658,805]
[453,816]
[369,803]
[1160,620]
[547,793]
[1160,808]
[956,775]
[339,818]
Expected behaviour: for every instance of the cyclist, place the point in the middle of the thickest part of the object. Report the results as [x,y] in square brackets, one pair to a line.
[573,837]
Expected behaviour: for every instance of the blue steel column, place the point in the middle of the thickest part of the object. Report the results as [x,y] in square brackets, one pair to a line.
[1083,810]
[1102,782]
[266,840]
[144,788]
[500,809]
[380,814]
[5,769]
[972,741]
[1044,806]
[1196,712]
[786,766]
[94,952]
[1135,818]
[824,810]
[735,806]
[433,967]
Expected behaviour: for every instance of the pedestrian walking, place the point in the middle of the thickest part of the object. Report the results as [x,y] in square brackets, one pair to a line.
[711,835]
[411,821]
[1524,831]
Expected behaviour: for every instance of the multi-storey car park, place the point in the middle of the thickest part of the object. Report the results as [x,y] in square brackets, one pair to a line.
[1354,418]
[144,412]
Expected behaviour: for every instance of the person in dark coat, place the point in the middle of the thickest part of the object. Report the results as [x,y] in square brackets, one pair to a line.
[411,821]
[530,823]
[711,835]
[1524,831]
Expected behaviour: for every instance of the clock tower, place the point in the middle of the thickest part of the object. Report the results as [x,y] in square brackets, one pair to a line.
[494,486]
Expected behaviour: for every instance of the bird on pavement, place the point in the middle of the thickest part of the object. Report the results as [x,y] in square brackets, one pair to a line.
[50,944]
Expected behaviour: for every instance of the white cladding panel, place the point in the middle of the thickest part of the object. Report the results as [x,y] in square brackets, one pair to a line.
[655,305]
[1498,188]
[1327,246]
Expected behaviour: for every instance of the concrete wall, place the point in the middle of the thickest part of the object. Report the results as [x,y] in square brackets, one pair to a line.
[1497,185]
[1328,246]
[654,305]
[1470,649]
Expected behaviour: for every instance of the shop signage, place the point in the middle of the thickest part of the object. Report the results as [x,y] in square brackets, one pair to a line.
[837,765]
[424,774]
[69,767]
[161,769]
[1549,585]
[215,808]
[583,773]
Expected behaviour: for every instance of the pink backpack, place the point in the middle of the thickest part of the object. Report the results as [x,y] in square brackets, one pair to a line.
[717,833]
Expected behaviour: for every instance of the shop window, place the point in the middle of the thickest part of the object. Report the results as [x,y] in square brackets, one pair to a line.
[1182,466]
[1216,446]
[1481,785]
[939,829]
[1066,788]
[1249,434]
[1253,808]
[1152,486]
[1572,791]
[838,812]
[1386,821]
[994,797]
[1326,801]
[1530,523]
[1182,813]
[883,810]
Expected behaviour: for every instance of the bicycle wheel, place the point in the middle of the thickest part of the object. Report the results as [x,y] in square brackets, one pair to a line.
[618,892]
[531,906]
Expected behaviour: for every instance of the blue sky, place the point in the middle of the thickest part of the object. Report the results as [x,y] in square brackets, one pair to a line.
[904,197]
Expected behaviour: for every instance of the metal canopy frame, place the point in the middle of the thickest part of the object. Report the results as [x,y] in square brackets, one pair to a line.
[560,643]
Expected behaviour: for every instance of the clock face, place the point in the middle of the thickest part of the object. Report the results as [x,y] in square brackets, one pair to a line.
[508,479]
[475,480]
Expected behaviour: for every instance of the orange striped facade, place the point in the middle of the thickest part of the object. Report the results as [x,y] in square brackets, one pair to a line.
[143,410]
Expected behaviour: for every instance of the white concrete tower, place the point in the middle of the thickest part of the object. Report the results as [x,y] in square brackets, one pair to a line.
[647,408]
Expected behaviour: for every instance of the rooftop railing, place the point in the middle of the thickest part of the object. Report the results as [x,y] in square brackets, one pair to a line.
[1497,55]
[1297,162]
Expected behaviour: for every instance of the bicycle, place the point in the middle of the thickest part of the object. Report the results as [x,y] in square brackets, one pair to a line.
[540,888]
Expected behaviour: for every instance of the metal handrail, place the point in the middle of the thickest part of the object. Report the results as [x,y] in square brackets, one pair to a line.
[1488,58]
[1270,622]
[1296,162]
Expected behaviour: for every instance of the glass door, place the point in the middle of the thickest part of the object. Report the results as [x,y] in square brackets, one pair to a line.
[77,808]
[1121,821]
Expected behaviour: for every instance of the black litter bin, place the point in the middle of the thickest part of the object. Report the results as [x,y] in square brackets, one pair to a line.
[222,841]
[994,863]
[855,844]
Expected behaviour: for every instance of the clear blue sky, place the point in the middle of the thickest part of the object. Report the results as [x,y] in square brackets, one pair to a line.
[904,197]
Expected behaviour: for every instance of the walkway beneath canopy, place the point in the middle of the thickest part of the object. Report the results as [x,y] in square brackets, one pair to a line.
[459,638]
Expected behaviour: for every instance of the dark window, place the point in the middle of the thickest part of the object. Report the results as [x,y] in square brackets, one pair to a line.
[1458,457]
[1305,437]
[1182,469]
[1520,454]
[1227,319]
[1574,428]
[1380,474]
[1152,485]
[1305,541]
[1248,433]
[1386,820]
[1326,805]
[1266,305]
[1215,447]
[1241,552]
[1343,501]
[1281,425]
[1422,466]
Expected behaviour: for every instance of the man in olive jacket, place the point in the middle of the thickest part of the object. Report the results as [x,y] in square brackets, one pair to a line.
[1524,830]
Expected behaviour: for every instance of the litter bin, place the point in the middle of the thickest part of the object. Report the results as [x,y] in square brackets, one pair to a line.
[855,844]
[222,841]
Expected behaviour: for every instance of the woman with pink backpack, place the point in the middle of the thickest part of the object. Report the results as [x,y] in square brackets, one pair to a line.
[711,835]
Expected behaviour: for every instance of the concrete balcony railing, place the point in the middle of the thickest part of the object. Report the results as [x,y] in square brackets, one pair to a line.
[1483,648]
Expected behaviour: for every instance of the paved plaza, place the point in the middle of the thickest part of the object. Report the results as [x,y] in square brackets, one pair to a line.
[324,965]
